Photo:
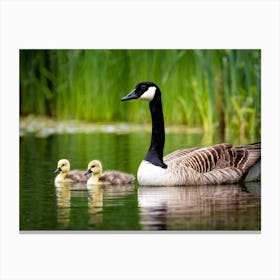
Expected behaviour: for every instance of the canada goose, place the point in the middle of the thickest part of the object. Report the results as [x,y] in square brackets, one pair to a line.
[219,164]
[65,175]
[108,177]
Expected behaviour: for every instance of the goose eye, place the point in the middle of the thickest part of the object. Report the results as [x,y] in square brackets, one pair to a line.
[143,87]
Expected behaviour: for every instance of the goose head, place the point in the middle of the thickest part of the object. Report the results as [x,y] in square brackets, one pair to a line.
[94,167]
[63,166]
[143,91]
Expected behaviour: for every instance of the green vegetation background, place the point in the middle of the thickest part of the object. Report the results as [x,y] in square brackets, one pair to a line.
[216,89]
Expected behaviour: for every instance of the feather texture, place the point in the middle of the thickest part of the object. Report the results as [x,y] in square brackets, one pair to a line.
[219,164]
[77,176]
[116,177]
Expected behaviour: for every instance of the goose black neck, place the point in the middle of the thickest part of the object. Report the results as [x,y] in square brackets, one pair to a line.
[155,153]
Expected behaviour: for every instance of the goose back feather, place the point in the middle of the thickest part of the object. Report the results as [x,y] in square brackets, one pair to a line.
[219,164]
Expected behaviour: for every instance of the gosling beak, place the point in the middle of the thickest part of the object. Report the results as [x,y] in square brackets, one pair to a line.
[88,172]
[131,95]
[58,170]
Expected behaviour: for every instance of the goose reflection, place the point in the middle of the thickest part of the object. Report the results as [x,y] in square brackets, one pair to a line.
[222,207]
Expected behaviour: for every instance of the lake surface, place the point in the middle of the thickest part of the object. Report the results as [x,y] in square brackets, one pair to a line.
[44,206]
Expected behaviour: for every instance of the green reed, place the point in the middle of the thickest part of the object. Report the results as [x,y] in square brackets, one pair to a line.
[218,89]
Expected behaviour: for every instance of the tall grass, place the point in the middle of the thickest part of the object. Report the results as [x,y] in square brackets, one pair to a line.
[213,88]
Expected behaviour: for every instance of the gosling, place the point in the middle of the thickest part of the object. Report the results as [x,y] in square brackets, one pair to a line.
[65,175]
[108,177]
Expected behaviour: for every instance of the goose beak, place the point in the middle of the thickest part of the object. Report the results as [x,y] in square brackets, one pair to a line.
[58,170]
[131,95]
[88,172]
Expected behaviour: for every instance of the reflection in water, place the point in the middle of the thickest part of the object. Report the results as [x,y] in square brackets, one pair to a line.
[63,202]
[118,191]
[226,207]
[95,204]
[70,197]
[72,207]
[64,192]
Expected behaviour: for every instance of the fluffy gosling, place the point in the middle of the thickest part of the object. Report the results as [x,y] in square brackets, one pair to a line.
[108,177]
[65,175]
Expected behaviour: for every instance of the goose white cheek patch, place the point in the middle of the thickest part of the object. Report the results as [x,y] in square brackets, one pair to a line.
[149,94]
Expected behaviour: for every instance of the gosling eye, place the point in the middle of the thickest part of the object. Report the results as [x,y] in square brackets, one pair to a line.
[62,164]
[92,166]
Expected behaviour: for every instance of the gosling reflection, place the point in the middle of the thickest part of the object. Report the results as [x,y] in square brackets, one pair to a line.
[224,207]
[95,204]
[71,198]
[64,192]
[63,202]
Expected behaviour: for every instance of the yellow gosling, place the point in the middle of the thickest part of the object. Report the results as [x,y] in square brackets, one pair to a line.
[65,175]
[108,177]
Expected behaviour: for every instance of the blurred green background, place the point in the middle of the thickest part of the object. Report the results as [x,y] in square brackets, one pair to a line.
[219,90]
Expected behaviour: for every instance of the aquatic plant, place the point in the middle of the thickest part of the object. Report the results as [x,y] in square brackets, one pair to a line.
[218,89]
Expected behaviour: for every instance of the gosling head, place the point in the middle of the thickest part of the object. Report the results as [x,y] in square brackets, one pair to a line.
[94,167]
[63,166]
[143,91]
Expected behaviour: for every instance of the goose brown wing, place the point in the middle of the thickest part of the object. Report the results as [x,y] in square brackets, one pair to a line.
[220,156]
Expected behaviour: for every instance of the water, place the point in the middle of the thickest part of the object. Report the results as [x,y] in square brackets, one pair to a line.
[43,206]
